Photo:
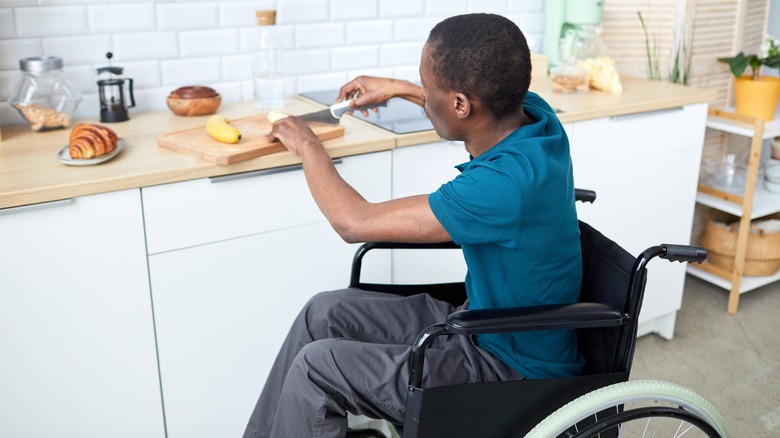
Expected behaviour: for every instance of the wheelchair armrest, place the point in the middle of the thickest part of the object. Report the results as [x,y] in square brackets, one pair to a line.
[549,317]
[357,260]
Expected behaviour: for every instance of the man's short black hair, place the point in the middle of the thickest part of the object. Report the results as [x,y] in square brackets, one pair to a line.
[484,56]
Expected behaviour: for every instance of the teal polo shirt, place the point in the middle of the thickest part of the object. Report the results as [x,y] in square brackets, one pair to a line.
[512,211]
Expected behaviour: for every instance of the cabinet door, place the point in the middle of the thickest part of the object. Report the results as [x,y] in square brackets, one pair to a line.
[222,309]
[644,170]
[222,312]
[419,170]
[76,329]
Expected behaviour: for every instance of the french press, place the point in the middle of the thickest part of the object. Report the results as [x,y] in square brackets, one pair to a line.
[112,97]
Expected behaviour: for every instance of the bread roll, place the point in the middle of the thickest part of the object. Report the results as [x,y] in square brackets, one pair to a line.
[88,140]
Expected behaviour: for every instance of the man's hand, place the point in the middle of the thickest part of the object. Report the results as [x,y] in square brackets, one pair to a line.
[366,90]
[295,134]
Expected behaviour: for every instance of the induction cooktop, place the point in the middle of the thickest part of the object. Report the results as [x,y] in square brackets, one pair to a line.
[400,116]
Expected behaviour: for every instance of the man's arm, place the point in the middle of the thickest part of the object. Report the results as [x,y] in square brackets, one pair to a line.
[355,219]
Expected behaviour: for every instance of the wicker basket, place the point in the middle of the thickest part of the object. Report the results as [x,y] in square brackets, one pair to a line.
[763,249]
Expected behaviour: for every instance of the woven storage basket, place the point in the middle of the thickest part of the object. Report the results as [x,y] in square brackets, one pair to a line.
[763,249]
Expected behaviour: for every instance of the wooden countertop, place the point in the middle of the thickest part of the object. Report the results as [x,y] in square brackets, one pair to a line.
[30,172]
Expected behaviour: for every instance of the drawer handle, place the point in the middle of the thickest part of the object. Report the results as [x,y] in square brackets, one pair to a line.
[645,113]
[32,207]
[264,172]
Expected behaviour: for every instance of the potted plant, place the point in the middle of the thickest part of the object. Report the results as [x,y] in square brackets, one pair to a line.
[756,95]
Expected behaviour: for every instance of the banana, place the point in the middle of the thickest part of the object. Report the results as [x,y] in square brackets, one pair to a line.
[275,115]
[219,128]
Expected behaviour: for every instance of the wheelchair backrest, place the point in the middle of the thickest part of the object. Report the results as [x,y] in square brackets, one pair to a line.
[606,274]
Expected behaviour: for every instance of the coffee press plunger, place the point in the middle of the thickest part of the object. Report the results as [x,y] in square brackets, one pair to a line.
[112,98]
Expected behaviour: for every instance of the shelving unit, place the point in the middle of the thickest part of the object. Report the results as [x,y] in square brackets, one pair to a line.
[754,203]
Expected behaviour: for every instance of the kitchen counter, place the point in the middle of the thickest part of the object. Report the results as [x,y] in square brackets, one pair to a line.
[31,174]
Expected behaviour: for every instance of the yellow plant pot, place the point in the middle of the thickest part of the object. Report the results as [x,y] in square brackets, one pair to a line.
[757,98]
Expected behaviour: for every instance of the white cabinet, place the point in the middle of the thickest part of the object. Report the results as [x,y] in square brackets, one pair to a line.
[76,327]
[422,170]
[644,169]
[224,302]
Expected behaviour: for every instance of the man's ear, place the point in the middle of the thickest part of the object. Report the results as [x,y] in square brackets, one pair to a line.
[462,105]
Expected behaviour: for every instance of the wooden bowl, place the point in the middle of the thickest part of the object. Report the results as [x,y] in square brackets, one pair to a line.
[194,101]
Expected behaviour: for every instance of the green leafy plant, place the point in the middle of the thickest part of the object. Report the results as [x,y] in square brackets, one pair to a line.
[680,69]
[770,57]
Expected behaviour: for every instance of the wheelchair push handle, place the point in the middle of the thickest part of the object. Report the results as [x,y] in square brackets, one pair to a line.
[684,253]
[583,195]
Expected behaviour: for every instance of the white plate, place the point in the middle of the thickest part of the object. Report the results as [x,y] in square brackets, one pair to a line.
[64,156]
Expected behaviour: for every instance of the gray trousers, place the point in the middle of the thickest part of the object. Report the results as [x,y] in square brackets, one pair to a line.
[348,351]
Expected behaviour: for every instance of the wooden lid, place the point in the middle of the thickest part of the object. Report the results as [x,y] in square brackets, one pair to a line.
[266,17]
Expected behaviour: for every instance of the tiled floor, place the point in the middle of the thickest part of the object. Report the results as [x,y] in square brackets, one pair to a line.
[733,361]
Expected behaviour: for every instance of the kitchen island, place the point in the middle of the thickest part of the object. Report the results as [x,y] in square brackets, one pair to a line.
[153,291]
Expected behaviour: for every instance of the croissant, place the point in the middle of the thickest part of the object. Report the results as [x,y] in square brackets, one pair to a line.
[88,140]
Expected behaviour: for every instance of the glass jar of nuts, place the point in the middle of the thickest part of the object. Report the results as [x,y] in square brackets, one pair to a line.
[44,97]
[578,44]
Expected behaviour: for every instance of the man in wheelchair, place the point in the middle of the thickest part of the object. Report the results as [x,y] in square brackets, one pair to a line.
[511,210]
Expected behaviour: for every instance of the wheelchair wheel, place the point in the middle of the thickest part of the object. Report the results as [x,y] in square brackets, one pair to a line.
[640,408]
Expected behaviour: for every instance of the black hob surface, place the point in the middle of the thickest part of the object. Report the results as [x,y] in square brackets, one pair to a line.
[400,116]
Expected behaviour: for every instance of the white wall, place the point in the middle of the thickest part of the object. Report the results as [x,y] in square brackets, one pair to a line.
[773,28]
[167,44]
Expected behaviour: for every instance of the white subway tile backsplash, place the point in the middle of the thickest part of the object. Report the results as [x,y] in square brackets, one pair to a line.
[15,49]
[177,16]
[531,23]
[50,20]
[236,67]
[190,71]
[319,35]
[400,54]
[82,77]
[526,5]
[386,72]
[401,8]
[8,82]
[414,29]
[145,74]
[208,42]
[248,37]
[354,57]
[163,44]
[68,2]
[491,6]
[230,91]
[121,17]
[446,8]
[80,49]
[367,32]
[321,81]
[408,73]
[301,11]
[6,23]
[353,9]
[145,45]
[240,14]
[306,61]
[9,3]
[150,99]
[88,107]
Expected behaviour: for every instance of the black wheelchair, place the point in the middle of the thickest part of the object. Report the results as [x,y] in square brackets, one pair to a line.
[600,403]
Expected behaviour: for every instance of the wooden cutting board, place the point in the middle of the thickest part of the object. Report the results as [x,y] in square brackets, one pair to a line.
[253,144]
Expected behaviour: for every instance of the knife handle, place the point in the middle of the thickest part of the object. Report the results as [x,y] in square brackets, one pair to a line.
[337,110]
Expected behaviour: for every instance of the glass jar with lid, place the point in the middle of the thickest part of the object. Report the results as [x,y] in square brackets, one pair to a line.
[44,97]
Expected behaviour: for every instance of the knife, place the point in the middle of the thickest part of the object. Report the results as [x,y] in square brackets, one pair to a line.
[332,115]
